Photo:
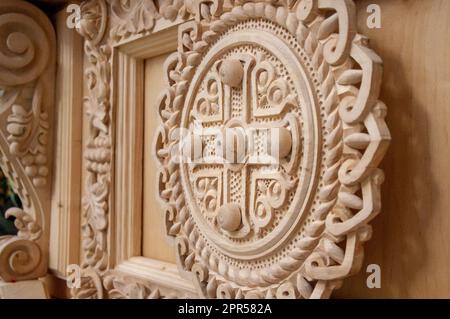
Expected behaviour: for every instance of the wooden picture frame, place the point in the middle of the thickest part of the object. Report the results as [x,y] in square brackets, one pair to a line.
[128,273]
[128,65]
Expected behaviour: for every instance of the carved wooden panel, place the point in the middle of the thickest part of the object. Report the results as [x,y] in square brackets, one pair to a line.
[243,229]
[246,226]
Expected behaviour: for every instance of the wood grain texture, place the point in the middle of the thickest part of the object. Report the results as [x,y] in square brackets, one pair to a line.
[66,195]
[128,161]
[155,244]
[411,238]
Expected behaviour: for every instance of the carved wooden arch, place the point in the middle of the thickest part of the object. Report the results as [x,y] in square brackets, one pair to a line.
[318,79]
[27,71]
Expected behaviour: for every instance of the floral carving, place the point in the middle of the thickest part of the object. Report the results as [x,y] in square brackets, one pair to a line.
[132,17]
[98,147]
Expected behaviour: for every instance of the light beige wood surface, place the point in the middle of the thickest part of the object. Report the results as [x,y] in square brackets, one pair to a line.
[411,238]
[155,244]
[28,289]
[66,195]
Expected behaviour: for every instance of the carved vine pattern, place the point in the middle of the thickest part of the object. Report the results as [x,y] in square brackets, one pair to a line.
[27,61]
[356,139]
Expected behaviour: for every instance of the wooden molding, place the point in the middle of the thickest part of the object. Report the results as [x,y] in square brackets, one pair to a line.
[161,276]
[238,231]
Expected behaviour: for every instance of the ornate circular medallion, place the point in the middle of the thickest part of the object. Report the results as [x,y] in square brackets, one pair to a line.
[271,132]
[244,84]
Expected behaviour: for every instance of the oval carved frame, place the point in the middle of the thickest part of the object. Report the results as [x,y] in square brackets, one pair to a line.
[354,137]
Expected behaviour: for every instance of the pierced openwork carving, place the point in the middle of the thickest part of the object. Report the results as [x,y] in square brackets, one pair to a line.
[27,59]
[293,76]
[255,229]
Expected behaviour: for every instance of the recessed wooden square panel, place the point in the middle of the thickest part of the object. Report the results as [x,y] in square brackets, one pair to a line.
[154,245]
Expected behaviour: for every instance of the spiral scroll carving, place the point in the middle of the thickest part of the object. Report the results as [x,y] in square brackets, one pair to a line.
[24,52]
[19,258]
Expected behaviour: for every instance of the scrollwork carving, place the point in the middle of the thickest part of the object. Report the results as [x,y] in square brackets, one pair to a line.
[132,17]
[27,56]
[19,258]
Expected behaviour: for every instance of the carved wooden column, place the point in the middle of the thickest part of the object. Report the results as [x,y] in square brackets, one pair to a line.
[240,229]
[27,71]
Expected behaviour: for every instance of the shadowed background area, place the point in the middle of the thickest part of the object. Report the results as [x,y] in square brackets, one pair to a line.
[8,199]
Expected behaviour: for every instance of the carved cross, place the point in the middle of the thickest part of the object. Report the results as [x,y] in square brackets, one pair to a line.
[238,146]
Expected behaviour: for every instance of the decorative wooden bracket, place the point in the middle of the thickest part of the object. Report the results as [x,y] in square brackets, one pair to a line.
[27,73]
